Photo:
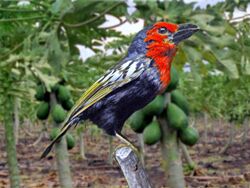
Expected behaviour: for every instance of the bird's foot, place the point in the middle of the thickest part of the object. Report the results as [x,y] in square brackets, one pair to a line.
[127,143]
[134,148]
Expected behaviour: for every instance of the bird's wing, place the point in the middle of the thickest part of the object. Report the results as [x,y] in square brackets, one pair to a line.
[119,75]
[116,77]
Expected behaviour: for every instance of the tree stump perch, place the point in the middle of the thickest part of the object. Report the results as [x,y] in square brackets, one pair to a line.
[132,168]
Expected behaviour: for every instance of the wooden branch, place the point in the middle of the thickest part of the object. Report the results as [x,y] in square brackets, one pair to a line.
[132,168]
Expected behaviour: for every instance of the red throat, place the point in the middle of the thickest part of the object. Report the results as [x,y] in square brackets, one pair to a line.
[163,64]
[162,54]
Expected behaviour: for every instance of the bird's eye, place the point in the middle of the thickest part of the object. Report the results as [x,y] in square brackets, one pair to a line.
[162,30]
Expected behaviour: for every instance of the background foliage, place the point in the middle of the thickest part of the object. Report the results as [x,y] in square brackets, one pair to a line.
[38,45]
[37,41]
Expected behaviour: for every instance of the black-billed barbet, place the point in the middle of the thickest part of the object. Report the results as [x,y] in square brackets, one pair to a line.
[132,83]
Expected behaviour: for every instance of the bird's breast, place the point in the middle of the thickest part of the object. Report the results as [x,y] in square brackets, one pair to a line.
[162,54]
[163,65]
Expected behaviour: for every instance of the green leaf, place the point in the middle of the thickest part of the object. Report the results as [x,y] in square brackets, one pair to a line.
[231,68]
[192,54]
[61,7]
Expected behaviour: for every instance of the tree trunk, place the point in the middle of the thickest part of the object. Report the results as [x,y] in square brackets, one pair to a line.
[63,165]
[16,118]
[82,147]
[206,128]
[111,150]
[230,138]
[62,157]
[245,131]
[187,157]
[11,147]
[142,149]
[216,123]
[172,163]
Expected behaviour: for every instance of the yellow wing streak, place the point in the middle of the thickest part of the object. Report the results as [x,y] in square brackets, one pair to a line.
[95,98]
[99,95]
[85,95]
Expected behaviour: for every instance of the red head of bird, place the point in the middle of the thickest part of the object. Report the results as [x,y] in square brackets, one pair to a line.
[159,42]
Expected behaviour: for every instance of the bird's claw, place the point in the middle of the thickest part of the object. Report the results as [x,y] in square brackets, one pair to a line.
[135,149]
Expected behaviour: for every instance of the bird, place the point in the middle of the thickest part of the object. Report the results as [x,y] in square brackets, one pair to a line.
[132,83]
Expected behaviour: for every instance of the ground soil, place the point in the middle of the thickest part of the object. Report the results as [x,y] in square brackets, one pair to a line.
[231,169]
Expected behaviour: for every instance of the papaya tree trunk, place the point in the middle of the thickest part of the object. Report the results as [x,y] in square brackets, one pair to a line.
[214,124]
[245,131]
[205,128]
[111,150]
[230,138]
[187,156]
[62,156]
[171,155]
[82,146]
[16,118]
[11,147]
[142,149]
[63,166]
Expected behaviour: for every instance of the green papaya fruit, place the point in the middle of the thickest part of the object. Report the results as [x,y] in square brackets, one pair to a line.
[137,121]
[70,141]
[180,100]
[189,136]
[174,80]
[63,93]
[58,114]
[40,93]
[43,111]
[68,104]
[176,118]
[155,107]
[152,133]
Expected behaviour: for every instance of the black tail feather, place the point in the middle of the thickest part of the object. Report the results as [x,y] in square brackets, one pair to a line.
[47,150]
[64,129]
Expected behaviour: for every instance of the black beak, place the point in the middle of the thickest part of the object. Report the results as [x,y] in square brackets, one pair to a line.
[184,31]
